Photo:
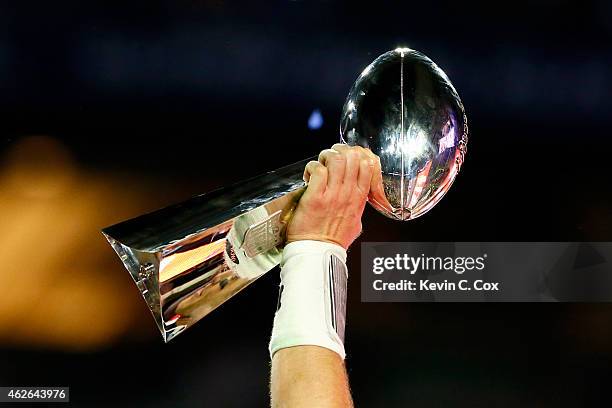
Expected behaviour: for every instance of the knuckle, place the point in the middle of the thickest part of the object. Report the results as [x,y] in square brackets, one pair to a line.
[339,157]
[326,152]
[310,165]
[318,169]
[368,164]
[353,153]
[376,160]
[367,153]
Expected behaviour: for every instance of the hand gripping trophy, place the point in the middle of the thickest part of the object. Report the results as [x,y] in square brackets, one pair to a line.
[189,258]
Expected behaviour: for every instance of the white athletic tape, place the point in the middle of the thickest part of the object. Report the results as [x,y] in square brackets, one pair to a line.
[312,297]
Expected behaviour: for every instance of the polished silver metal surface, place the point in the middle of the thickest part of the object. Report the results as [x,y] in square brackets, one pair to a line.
[189,258]
[405,109]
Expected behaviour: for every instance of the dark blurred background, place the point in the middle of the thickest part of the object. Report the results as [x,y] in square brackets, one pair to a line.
[109,109]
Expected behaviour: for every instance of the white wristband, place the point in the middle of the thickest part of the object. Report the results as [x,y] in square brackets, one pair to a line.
[312,298]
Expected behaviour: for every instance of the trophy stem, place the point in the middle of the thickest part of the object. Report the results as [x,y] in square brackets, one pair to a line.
[189,258]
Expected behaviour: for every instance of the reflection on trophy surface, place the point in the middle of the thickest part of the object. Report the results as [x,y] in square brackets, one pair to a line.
[189,258]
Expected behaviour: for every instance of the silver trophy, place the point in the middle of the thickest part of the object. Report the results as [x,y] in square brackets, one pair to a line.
[189,258]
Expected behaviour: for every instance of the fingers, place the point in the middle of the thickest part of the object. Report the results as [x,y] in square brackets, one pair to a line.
[335,162]
[351,172]
[340,147]
[366,172]
[369,164]
[377,189]
[326,155]
[315,174]
[360,165]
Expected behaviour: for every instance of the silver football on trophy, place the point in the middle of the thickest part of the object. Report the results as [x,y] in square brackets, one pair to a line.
[405,109]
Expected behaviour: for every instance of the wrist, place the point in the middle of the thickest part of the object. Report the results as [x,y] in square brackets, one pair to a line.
[312,247]
[316,238]
[312,301]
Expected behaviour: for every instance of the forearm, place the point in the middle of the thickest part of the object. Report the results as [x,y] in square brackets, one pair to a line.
[307,344]
[309,376]
[307,347]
